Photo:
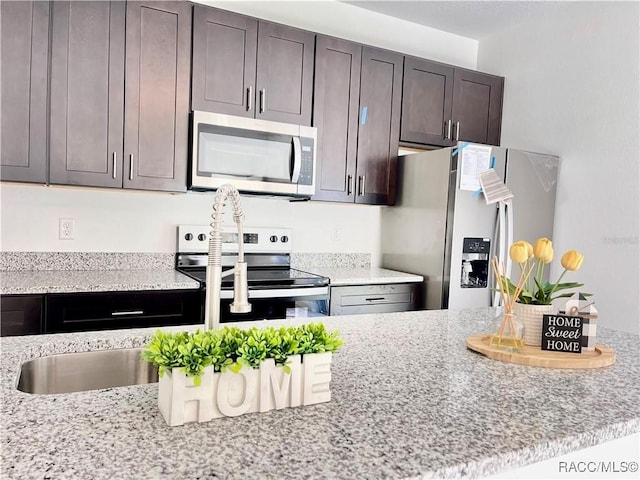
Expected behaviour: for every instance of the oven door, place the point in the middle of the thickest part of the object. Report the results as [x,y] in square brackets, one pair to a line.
[270,304]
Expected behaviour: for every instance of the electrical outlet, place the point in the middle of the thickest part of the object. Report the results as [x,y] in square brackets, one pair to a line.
[336,235]
[66,229]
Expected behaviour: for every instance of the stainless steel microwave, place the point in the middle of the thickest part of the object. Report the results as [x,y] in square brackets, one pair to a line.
[255,156]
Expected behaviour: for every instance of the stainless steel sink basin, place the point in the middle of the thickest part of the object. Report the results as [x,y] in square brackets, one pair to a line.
[78,372]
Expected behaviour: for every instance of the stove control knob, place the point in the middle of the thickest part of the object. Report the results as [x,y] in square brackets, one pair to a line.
[273,239]
[284,239]
[202,237]
[188,236]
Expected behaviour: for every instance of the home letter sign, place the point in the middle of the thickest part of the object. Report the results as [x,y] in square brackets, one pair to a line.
[228,394]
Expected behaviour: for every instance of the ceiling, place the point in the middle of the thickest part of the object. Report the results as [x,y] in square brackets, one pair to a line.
[473,19]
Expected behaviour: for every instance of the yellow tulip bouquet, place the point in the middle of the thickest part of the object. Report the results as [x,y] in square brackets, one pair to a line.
[537,291]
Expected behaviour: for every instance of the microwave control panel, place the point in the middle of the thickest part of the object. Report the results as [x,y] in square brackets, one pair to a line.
[306,169]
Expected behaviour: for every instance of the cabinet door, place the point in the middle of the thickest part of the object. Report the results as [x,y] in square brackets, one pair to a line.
[477,107]
[379,130]
[335,114]
[224,62]
[24,38]
[284,80]
[87,93]
[426,103]
[158,69]
[21,315]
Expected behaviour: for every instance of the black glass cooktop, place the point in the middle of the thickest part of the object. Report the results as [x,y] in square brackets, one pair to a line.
[266,278]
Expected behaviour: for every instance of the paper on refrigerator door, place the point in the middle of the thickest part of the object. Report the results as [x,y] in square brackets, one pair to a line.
[474,159]
[493,187]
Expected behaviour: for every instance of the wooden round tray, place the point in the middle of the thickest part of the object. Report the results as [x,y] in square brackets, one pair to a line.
[535,357]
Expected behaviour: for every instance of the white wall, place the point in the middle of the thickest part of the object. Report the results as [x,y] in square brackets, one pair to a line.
[572,87]
[347,21]
[116,220]
[129,221]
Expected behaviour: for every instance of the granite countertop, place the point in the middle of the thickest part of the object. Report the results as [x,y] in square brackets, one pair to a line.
[408,400]
[364,276]
[74,281]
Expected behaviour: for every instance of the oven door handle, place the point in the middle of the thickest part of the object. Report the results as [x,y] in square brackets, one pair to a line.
[280,293]
[297,160]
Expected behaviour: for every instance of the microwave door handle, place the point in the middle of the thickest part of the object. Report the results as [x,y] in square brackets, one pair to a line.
[297,160]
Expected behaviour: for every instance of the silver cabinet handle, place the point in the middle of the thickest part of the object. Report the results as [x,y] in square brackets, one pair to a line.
[129,312]
[114,165]
[457,131]
[360,185]
[349,184]
[131,167]
[263,99]
[448,135]
[249,98]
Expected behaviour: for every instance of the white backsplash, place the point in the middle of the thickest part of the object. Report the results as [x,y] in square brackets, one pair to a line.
[121,221]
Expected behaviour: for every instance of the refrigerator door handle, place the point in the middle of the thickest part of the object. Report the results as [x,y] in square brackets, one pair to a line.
[501,254]
[509,231]
[496,298]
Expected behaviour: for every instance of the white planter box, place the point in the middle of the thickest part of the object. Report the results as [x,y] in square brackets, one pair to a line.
[231,394]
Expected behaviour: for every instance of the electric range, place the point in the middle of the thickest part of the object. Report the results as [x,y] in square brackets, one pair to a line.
[275,289]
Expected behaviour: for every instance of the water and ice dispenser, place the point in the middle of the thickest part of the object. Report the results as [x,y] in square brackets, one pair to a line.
[475,262]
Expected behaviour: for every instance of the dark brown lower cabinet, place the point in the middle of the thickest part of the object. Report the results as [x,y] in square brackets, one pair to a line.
[114,310]
[21,315]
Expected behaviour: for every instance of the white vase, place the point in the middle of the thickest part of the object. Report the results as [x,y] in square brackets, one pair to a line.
[531,316]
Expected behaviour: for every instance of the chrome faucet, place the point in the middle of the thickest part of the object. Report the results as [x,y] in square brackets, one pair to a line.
[214,265]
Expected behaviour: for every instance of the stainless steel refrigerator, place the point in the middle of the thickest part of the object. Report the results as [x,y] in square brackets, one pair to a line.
[443,229]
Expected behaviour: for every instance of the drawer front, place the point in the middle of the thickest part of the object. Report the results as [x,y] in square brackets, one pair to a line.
[21,315]
[113,310]
[384,298]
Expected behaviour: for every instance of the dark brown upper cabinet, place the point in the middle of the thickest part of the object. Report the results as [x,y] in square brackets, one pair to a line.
[335,114]
[426,102]
[379,126]
[24,39]
[107,132]
[357,99]
[477,107]
[156,95]
[442,104]
[87,93]
[251,68]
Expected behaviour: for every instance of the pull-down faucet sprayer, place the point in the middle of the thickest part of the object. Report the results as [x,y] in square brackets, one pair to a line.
[214,265]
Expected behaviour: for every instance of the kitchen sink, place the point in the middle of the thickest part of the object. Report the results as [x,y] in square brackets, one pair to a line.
[78,372]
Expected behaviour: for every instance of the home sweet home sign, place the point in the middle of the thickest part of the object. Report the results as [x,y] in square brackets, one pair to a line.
[562,333]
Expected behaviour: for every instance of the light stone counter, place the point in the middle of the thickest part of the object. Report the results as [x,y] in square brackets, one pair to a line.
[73,281]
[408,400]
[364,276]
